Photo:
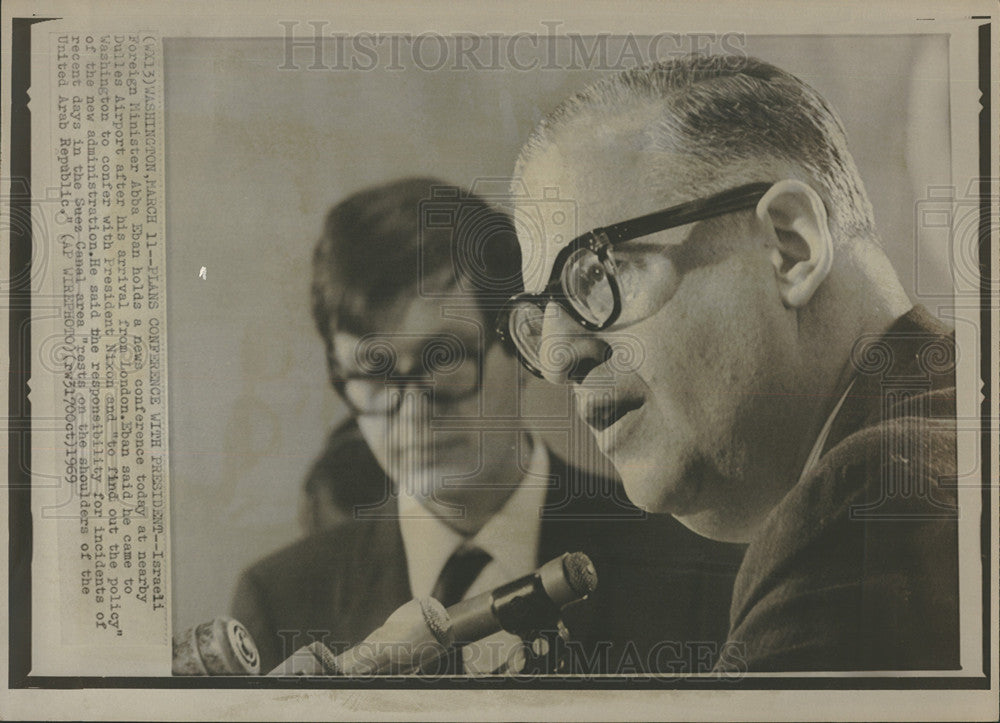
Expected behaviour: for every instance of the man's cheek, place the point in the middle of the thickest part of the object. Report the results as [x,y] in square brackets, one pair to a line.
[666,368]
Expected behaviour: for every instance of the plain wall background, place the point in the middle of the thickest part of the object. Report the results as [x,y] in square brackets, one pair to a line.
[255,157]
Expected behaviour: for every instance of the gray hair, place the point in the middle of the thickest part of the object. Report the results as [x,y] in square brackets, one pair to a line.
[727,117]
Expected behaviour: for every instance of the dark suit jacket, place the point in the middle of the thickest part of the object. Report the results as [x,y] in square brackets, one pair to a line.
[661,602]
[857,567]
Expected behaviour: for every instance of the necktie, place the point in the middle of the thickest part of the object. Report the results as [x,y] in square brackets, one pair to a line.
[457,576]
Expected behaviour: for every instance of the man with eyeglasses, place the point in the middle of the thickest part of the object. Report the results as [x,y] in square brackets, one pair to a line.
[743,351]
[408,277]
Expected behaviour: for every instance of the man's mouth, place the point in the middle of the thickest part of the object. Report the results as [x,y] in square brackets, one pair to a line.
[602,414]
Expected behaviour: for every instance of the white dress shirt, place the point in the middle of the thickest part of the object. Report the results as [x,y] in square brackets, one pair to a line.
[510,537]
[817,449]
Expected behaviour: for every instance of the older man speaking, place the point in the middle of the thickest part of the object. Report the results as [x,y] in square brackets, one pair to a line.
[770,380]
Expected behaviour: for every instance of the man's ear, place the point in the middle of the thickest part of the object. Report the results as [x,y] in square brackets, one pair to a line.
[804,251]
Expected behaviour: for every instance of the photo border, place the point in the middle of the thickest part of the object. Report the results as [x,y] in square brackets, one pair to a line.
[19,466]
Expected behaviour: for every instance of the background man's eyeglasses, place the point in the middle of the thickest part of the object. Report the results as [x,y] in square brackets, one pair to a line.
[448,369]
[584,276]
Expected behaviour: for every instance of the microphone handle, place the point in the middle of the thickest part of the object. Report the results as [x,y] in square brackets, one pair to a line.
[518,607]
[522,606]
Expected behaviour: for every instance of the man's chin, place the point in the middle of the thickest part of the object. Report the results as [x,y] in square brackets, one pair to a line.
[658,493]
[705,523]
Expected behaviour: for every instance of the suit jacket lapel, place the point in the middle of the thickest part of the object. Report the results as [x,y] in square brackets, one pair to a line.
[374,561]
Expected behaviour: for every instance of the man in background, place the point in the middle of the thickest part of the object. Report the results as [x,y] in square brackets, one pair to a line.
[790,396]
[407,280]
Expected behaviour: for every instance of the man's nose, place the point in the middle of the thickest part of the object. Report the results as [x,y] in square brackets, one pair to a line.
[568,351]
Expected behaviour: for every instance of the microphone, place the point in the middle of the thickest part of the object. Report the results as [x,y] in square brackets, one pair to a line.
[528,604]
[422,630]
[220,647]
[416,634]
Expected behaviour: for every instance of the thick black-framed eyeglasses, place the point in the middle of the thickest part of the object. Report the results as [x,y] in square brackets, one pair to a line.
[448,369]
[583,279]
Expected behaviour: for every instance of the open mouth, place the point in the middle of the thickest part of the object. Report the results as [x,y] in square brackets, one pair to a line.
[602,415]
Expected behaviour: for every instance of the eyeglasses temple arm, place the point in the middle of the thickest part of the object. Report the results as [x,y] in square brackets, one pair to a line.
[735,199]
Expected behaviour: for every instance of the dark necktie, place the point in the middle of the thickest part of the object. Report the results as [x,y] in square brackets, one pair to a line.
[457,576]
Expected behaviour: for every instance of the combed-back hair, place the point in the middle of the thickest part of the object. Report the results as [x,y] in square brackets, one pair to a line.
[390,243]
[725,118]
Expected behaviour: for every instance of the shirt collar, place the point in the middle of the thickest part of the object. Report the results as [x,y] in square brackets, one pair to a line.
[817,449]
[510,536]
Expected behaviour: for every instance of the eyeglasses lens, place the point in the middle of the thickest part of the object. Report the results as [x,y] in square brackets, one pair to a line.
[587,287]
[449,369]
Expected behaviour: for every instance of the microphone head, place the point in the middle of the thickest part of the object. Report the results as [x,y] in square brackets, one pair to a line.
[219,647]
[580,574]
[437,619]
[568,578]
